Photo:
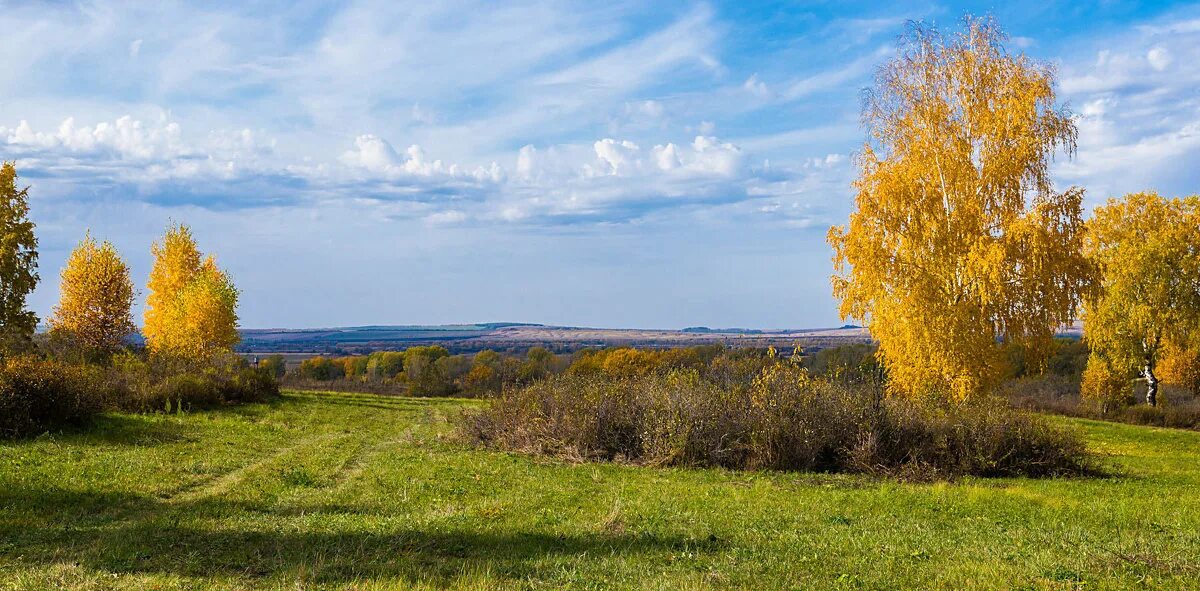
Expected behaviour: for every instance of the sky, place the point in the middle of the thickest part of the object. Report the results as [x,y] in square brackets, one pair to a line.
[613,164]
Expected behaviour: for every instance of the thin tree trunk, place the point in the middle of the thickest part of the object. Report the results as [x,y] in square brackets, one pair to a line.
[1151,384]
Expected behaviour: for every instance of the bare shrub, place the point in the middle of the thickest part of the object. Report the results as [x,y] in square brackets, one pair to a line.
[784,420]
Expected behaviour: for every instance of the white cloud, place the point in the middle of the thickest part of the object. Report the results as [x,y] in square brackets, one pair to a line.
[1139,117]
[126,138]
[616,157]
[448,217]
[1159,58]
[372,153]
[756,87]
[667,157]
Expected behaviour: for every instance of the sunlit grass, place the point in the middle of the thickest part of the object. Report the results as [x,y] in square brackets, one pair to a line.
[355,490]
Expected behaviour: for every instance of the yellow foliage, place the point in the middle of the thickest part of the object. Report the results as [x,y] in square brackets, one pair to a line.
[191,309]
[1181,366]
[629,362]
[1147,251]
[1104,386]
[96,296]
[959,239]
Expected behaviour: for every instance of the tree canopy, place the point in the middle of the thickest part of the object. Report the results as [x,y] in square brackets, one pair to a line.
[191,309]
[96,295]
[959,238]
[18,261]
[1147,302]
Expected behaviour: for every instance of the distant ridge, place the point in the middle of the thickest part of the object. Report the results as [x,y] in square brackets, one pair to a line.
[520,335]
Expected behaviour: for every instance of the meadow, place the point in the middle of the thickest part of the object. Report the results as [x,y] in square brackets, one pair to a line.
[324,490]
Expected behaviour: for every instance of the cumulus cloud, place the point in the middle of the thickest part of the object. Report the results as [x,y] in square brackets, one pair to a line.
[125,138]
[372,153]
[1139,120]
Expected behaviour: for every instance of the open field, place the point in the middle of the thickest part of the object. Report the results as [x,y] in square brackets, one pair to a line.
[340,490]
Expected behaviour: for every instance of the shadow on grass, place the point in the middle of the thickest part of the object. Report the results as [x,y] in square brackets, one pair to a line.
[205,538]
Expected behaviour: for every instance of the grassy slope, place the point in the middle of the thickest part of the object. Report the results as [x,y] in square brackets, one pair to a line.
[344,490]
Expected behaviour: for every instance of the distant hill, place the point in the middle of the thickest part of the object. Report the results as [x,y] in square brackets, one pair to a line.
[517,336]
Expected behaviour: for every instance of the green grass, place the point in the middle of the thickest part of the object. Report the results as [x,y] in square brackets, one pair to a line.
[341,490]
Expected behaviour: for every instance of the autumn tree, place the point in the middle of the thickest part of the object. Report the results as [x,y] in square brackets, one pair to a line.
[18,261]
[959,239]
[191,307]
[1147,252]
[422,373]
[385,365]
[96,296]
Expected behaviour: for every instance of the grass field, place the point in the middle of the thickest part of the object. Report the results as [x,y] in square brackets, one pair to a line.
[359,491]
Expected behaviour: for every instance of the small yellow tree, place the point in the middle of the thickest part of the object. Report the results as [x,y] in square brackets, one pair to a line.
[1147,251]
[959,239]
[96,296]
[176,262]
[207,310]
[191,309]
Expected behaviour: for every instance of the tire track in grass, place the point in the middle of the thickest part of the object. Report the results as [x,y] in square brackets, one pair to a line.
[224,482]
[227,481]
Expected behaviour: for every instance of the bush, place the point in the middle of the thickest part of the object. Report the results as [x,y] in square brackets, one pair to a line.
[784,420]
[274,365]
[321,369]
[183,390]
[423,373]
[385,365]
[249,384]
[37,395]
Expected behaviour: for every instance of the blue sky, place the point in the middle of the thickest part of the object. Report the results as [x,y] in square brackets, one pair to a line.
[622,164]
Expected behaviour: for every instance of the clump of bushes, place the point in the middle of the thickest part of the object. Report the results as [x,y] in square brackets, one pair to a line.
[1177,407]
[36,395]
[784,420]
[39,395]
[150,384]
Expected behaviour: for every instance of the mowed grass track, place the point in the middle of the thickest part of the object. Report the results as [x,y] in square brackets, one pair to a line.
[360,491]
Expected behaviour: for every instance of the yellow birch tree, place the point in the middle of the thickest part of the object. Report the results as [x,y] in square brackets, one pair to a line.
[191,308]
[959,239]
[96,297]
[1147,251]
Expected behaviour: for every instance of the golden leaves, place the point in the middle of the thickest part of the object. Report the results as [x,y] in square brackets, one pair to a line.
[1147,302]
[958,238]
[96,297]
[191,311]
